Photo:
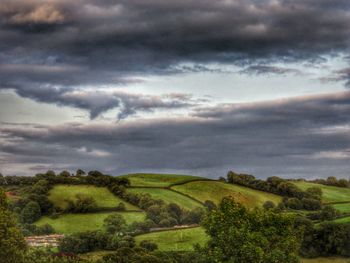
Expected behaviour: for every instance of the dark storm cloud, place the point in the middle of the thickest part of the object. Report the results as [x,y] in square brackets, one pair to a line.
[307,136]
[94,42]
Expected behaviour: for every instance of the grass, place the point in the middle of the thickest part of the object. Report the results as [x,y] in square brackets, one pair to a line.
[73,223]
[342,207]
[176,240]
[158,180]
[330,193]
[103,197]
[326,260]
[342,220]
[168,196]
[215,191]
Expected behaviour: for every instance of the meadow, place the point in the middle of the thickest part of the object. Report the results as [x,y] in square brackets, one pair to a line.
[74,223]
[159,180]
[168,196]
[343,207]
[176,240]
[103,197]
[215,191]
[342,220]
[330,193]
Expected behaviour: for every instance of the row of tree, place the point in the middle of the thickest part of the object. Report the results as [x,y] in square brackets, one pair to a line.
[294,197]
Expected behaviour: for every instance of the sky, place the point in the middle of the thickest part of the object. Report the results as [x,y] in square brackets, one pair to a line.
[188,86]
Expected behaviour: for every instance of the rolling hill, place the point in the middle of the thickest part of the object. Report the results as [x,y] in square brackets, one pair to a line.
[215,191]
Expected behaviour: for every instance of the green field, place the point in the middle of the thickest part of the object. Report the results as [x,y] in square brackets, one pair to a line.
[158,180]
[330,193]
[342,220]
[168,196]
[176,240]
[345,208]
[326,260]
[215,191]
[73,223]
[103,197]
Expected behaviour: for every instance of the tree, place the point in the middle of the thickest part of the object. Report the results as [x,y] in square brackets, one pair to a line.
[257,236]
[31,212]
[210,205]
[114,224]
[121,207]
[269,205]
[314,192]
[12,243]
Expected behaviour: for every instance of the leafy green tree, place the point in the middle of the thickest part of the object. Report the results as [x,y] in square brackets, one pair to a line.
[257,236]
[269,205]
[31,212]
[12,243]
[114,224]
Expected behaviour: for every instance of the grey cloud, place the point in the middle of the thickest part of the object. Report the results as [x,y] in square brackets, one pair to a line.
[282,137]
[267,69]
[80,43]
[97,102]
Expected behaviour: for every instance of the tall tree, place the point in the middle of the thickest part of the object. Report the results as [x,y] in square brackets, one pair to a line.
[240,235]
[12,243]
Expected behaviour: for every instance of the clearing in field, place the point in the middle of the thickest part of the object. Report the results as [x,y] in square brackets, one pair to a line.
[103,197]
[330,193]
[176,240]
[158,180]
[345,208]
[74,223]
[215,191]
[168,196]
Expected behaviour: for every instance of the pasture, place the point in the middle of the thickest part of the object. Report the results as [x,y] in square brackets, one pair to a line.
[215,191]
[158,180]
[345,208]
[73,223]
[168,196]
[103,197]
[330,193]
[342,220]
[176,240]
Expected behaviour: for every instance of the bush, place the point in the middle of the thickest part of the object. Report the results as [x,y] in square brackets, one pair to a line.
[150,246]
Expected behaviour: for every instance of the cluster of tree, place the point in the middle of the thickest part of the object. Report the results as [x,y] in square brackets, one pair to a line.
[325,239]
[257,236]
[12,243]
[332,180]
[161,214]
[80,177]
[326,213]
[81,204]
[33,202]
[294,197]
[31,229]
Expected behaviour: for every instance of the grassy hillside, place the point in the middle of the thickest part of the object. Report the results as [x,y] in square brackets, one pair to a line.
[73,223]
[342,220]
[168,196]
[176,240]
[330,193]
[158,180]
[102,196]
[342,207]
[215,191]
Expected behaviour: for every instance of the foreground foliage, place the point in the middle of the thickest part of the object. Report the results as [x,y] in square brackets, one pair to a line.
[241,235]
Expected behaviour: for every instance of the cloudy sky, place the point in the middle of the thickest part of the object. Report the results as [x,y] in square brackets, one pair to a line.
[187,86]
